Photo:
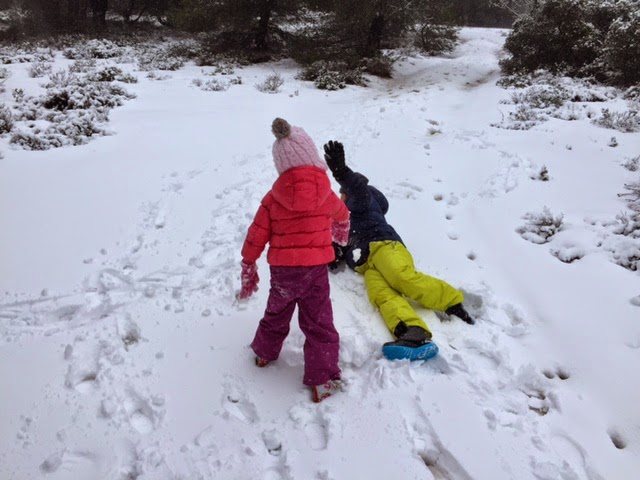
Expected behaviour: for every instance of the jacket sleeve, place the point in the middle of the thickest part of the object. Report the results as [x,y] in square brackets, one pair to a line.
[355,187]
[339,211]
[259,233]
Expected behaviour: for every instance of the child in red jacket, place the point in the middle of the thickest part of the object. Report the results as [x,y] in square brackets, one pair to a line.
[299,218]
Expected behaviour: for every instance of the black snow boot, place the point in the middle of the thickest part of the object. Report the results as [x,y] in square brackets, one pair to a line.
[459,311]
[411,337]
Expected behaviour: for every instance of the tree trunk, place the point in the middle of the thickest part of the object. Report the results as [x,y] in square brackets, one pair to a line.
[99,13]
[74,15]
[262,44]
[374,40]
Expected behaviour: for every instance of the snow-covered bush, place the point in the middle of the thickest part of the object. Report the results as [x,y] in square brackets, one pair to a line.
[39,69]
[435,39]
[159,59]
[542,175]
[215,85]
[72,110]
[542,96]
[332,75]
[271,84]
[632,164]
[381,66]
[623,121]
[621,52]
[540,227]
[569,112]
[94,48]
[523,118]
[157,76]
[6,119]
[632,198]
[83,65]
[111,74]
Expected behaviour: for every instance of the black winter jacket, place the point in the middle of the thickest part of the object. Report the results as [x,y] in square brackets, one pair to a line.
[368,206]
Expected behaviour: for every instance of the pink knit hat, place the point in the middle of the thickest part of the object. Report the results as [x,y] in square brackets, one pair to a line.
[293,147]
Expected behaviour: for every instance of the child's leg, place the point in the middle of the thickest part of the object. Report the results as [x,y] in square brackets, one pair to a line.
[394,308]
[274,326]
[315,315]
[395,263]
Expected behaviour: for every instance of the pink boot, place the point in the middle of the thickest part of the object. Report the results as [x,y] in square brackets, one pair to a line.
[320,392]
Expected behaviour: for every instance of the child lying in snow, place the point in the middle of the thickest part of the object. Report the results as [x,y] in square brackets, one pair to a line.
[376,250]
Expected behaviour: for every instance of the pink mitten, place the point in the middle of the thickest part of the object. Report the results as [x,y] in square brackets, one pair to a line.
[249,279]
[340,232]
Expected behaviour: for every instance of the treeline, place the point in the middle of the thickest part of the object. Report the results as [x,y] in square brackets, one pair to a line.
[260,25]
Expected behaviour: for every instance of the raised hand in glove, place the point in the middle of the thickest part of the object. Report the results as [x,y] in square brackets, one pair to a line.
[249,279]
[334,156]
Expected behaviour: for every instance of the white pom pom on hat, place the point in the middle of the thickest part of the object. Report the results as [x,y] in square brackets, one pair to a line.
[293,147]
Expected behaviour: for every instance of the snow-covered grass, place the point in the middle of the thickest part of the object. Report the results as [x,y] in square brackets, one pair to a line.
[124,354]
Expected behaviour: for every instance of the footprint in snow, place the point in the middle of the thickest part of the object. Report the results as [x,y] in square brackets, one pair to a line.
[141,413]
[75,464]
[238,405]
[313,423]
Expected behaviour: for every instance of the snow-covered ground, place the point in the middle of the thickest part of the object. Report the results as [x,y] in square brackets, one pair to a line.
[124,354]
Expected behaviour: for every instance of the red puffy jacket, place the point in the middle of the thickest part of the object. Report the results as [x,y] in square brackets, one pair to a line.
[295,218]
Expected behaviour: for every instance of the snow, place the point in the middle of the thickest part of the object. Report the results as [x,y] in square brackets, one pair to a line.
[124,354]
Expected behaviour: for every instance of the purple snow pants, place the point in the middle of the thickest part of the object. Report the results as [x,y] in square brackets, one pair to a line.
[308,288]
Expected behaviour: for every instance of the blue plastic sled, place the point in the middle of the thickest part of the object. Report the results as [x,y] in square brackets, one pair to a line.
[398,352]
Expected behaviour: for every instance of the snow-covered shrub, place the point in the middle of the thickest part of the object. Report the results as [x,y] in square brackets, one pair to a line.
[6,119]
[215,85]
[197,82]
[632,93]
[570,112]
[523,118]
[4,73]
[543,174]
[111,74]
[632,198]
[271,84]
[435,39]
[332,75]
[159,59]
[30,141]
[39,69]
[623,121]
[381,66]
[632,164]
[95,48]
[62,78]
[72,110]
[540,227]
[157,76]
[188,49]
[568,253]
[542,96]
[106,74]
[83,65]
[621,52]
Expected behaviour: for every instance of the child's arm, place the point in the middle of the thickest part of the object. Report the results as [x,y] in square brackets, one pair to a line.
[259,233]
[353,184]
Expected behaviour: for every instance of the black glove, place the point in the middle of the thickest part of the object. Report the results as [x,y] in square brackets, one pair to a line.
[334,156]
[339,260]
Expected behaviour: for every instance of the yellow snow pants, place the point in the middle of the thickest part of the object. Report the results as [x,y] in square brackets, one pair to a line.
[390,276]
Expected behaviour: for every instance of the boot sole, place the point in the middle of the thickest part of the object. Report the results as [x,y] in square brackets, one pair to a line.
[398,352]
